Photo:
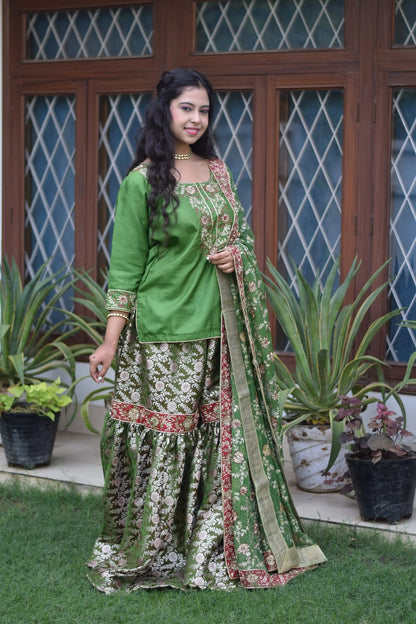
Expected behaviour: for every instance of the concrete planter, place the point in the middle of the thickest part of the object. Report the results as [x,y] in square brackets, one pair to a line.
[310,448]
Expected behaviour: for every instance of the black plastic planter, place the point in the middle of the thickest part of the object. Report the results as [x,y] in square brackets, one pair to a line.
[385,490]
[28,439]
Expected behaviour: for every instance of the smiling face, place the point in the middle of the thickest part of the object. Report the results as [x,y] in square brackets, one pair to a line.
[189,117]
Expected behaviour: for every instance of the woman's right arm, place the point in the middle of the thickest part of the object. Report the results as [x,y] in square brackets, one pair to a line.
[101,359]
[128,261]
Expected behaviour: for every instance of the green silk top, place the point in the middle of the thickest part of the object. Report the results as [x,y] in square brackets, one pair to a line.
[172,284]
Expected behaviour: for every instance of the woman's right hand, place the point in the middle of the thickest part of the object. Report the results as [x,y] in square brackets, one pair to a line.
[100,361]
[103,356]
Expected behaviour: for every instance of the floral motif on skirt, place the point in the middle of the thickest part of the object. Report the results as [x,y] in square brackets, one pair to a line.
[157,383]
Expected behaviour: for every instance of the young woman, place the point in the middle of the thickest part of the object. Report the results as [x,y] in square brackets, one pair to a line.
[195,493]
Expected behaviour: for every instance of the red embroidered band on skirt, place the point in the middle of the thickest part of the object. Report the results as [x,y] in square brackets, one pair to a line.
[167,423]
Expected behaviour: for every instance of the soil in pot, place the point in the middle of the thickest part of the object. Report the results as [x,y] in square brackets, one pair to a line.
[28,439]
[385,490]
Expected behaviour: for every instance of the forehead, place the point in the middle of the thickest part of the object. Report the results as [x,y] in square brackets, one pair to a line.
[194,95]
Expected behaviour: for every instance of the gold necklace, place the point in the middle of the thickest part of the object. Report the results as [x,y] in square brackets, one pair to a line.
[182,156]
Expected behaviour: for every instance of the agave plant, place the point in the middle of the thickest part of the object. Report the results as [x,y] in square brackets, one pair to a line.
[91,297]
[323,331]
[31,346]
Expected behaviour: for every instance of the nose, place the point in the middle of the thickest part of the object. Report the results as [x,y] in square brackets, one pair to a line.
[195,116]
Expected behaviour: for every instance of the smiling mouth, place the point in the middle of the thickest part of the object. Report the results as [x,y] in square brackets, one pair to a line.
[192,130]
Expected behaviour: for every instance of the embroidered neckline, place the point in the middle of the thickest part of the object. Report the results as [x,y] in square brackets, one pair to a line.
[143,166]
[210,180]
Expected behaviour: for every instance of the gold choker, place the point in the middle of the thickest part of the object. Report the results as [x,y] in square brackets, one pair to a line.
[182,156]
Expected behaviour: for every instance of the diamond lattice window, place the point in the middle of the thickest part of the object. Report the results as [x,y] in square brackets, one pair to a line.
[310,182]
[405,22]
[260,25]
[121,116]
[90,33]
[401,341]
[310,179]
[233,127]
[49,183]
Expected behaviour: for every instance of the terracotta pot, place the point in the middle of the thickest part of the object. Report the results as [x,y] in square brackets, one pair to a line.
[385,490]
[28,439]
[310,448]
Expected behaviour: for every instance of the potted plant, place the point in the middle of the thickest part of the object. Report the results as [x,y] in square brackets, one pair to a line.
[323,331]
[92,323]
[30,414]
[32,346]
[381,465]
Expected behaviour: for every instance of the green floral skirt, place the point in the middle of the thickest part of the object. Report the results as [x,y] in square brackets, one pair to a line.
[163,519]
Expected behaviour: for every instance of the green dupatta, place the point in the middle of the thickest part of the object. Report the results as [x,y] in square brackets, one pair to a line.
[264,541]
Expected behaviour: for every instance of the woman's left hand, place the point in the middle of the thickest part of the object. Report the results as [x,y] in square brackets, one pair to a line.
[223,260]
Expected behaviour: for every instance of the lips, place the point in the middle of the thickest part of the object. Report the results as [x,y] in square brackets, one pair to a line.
[192,131]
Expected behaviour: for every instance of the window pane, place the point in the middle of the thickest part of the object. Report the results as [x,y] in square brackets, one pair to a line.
[402,342]
[233,127]
[49,183]
[121,116]
[310,182]
[249,25]
[405,22]
[90,33]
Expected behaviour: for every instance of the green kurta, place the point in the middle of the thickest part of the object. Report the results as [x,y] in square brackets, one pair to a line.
[172,284]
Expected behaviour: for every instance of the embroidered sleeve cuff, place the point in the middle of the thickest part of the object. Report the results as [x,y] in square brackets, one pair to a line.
[120,300]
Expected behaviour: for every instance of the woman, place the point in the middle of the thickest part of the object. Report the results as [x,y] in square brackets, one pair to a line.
[195,494]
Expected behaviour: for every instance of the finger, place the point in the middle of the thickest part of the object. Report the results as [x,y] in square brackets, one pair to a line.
[219,255]
[218,261]
[95,372]
[103,372]
[97,376]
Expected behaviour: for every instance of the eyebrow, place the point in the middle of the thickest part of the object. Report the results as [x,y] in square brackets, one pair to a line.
[191,104]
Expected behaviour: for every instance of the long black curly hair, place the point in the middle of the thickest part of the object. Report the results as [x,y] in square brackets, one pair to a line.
[156,141]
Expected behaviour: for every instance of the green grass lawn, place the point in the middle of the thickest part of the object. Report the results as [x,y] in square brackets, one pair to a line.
[47,535]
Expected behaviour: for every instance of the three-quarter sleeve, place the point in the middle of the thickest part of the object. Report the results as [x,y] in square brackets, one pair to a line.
[130,244]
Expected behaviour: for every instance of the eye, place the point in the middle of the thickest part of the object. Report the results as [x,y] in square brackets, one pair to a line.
[204,111]
[186,108]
